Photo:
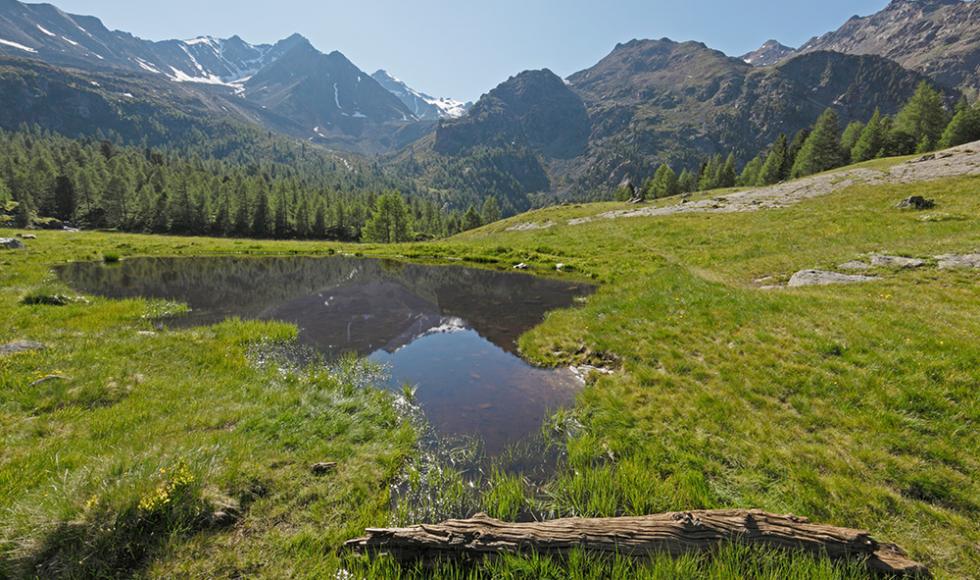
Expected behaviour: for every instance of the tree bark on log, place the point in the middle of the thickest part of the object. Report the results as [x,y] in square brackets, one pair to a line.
[672,533]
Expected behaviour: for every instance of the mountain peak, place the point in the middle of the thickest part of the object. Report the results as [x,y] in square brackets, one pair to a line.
[771,52]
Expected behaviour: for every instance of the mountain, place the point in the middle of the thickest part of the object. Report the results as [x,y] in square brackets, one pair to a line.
[771,52]
[534,109]
[654,101]
[289,87]
[328,97]
[424,107]
[939,38]
[650,102]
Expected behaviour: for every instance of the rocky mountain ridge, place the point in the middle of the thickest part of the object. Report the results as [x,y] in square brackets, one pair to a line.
[938,38]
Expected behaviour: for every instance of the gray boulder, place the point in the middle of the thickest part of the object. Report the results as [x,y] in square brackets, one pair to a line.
[11,244]
[885,261]
[824,278]
[950,261]
[855,265]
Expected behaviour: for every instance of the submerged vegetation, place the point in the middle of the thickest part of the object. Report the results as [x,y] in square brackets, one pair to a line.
[171,453]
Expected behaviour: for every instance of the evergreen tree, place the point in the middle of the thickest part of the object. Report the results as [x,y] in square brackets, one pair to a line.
[281,221]
[821,151]
[491,210]
[320,222]
[64,199]
[774,169]
[389,223]
[923,118]
[850,137]
[871,143]
[243,222]
[4,192]
[117,194]
[260,220]
[159,222]
[221,224]
[750,173]
[963,128]
[471,219]
[793,151]
[24,213]
[303,219]
[687,182]
[710,173]
[727,175]
[663,184]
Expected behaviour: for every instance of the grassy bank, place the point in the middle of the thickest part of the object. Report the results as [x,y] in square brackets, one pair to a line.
[852,405]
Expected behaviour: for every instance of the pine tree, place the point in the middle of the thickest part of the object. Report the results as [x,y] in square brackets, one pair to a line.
[281,221]
[821,151]
[159,221]
[793,151]
[4,192]
[850,137]
[117,194]
[963,128]
[260,220]
[923,118]
[687,182]
[774,169]
[750,173]
[320,222]
[871,143]
[471,219]
[64,199]
[710,173]
[663,184]
[389,223]
[24,213]
[727,175]
[491,210]
[221,224]
[303,219]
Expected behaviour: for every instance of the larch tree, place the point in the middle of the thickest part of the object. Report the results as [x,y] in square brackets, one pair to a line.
[923,118]
[774,169]
[871,143]
[821,151]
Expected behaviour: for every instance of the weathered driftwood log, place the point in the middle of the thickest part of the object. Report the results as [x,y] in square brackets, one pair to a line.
[672,533]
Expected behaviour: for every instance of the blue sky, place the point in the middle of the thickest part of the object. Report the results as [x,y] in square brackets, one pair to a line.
[462,49]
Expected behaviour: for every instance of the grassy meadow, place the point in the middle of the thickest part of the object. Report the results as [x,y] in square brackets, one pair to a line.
[124,447]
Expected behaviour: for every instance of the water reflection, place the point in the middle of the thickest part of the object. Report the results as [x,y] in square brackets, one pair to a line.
[451,331]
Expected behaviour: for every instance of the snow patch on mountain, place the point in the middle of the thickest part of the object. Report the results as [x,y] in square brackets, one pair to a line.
[421,105]
[17,45]
[46,31]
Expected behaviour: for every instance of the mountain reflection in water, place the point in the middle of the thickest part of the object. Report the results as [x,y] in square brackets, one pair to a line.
[450,331]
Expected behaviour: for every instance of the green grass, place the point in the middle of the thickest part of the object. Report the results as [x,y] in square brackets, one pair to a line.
[855,406]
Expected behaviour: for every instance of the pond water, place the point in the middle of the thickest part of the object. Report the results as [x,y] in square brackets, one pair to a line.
[449,331]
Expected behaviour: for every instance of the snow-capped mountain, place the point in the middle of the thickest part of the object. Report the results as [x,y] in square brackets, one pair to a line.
[300,90]
[422,106]
[45,32]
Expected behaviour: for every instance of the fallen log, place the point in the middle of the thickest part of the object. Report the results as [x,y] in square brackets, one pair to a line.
[672,533]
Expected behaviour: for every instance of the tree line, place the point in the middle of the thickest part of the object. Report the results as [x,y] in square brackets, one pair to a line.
[93,183]
[921,126]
